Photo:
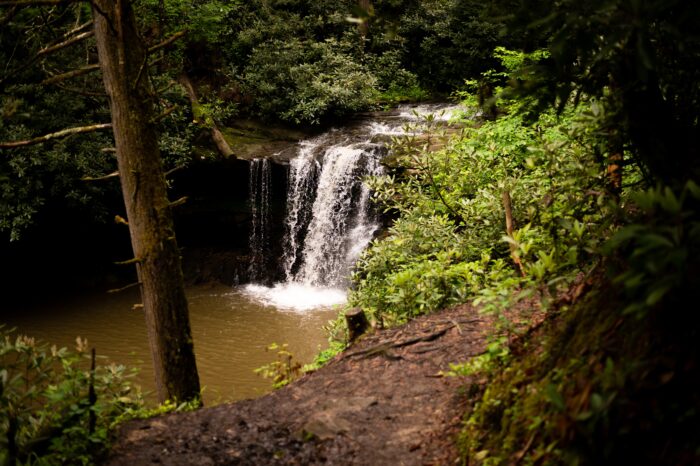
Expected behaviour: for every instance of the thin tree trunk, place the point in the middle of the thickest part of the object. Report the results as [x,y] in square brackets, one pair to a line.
[123,61]
[216,135]
[365,6]
[615,161]
[508,207]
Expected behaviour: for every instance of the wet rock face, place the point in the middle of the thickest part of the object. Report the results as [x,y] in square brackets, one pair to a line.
[213,226]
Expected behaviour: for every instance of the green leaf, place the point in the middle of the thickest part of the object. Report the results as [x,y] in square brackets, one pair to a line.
[555,397]
[657,294]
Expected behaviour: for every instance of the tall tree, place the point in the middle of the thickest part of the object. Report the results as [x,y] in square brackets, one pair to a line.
[124,63]
[123,59]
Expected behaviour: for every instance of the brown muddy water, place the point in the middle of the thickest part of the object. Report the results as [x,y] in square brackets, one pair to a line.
[231,333]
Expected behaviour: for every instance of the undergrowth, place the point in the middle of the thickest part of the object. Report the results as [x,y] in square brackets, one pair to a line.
[451,244]
[59,406]
[523,206]
[55,408]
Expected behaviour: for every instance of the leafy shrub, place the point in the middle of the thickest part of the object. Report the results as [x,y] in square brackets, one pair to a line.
[53,408]
[306,82]
[283,369]
[450,243]
[659,253]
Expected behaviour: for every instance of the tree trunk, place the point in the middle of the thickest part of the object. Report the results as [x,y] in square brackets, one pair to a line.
[357,323]
[508,207]
[219,140]
[124,63]
[365,6]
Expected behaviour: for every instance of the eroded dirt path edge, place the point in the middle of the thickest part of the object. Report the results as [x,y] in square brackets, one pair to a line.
[380,402]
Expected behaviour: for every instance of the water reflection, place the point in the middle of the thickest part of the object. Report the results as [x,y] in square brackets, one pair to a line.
[230,330]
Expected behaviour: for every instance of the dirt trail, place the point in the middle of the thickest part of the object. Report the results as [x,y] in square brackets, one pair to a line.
[381,402]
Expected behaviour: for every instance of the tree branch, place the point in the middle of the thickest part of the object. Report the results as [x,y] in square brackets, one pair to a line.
[178,202]
[173,170]
[123,288]
[51,49]
[71,74]
[167,112]
[508,207]
[216,135]
[167,41]
[82,92]
[8,16]
[78,29]
[100,178]
[56,135]
[62,45]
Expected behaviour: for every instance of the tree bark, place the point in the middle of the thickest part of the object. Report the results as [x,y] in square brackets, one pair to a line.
[365,6]
[508,207]
[357,323]
[216,135]
[123,61]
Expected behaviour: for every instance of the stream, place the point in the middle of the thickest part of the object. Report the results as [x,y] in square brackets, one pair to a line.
[329,220]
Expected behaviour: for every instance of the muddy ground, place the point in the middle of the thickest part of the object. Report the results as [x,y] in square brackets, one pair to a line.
[383,401]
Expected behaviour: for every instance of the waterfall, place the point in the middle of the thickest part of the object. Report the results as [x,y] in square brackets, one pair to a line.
[328,222]
[303,171]
[259,198]
[329,218]
[340,222]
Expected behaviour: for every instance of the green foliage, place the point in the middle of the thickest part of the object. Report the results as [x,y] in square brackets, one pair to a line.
[45,403]
[496,354]
[450,244]
[660,249]
[34,177]
[203,20]
[169,406]
[321,80]
[642,58]
[298,61]
[283,370]
[597,386]
[323,357]
[442,42]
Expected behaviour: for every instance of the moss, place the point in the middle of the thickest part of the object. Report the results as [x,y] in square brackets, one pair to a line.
[600,383]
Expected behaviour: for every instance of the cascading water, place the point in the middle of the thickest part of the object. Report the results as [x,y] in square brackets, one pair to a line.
[329,218]
[259,195]
[340,206]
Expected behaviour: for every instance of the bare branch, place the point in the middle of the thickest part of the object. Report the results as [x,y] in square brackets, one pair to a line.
[78,29]
[56,135]
[508,207]
[62,45]
[135,260]
[167,112]
[217,136]
[100,178]
[124,288]
[178,202]
[82,92]
[173,170]
[167,41]
[71,74]
[8,16]
[49,50]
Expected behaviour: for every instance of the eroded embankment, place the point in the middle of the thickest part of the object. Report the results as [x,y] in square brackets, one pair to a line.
[383,401]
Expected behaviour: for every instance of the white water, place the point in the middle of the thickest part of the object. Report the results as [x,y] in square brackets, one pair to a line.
[329,219]
[259,194]
[296,297]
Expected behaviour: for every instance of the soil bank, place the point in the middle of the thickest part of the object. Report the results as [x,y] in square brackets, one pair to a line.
[383,401]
